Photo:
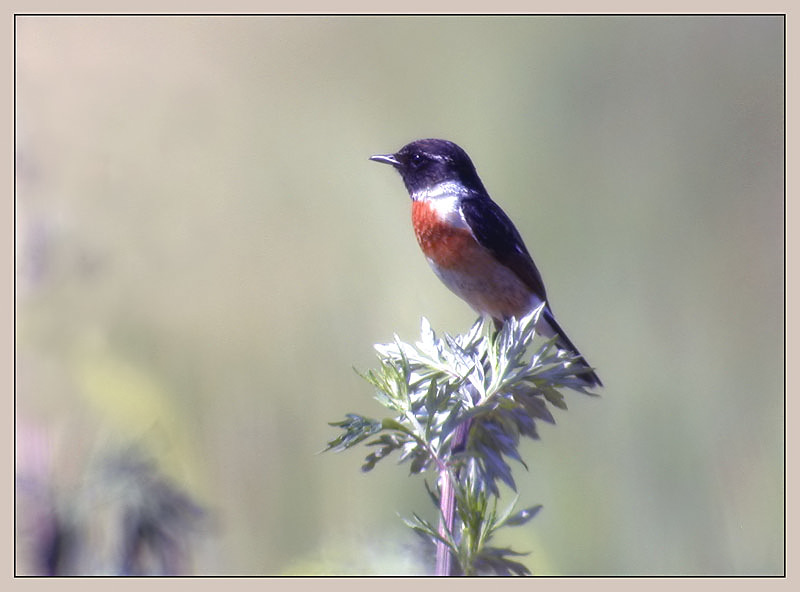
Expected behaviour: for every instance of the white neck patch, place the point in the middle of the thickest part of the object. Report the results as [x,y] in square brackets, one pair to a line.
[445,189]
[444,199]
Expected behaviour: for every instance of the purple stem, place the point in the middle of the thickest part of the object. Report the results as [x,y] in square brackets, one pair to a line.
[447,505]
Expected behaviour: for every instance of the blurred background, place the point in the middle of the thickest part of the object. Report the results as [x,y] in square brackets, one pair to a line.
[204,253]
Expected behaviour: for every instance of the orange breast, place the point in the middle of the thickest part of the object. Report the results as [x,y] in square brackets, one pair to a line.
[468,269]
[449,246]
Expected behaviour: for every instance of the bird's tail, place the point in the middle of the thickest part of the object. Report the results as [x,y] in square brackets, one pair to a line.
[551,328]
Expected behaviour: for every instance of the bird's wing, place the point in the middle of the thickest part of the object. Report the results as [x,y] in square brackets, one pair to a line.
[494,231]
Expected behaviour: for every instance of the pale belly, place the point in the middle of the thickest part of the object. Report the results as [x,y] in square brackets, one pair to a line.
[489,288]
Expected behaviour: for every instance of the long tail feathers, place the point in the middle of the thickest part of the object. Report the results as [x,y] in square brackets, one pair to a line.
[550,327]
[562,341]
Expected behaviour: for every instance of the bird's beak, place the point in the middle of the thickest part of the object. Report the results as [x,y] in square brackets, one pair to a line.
[386,159]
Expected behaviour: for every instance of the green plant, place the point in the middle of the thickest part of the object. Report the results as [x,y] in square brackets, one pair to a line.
[460,406]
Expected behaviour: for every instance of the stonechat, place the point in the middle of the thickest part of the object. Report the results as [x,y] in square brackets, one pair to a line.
[470,242]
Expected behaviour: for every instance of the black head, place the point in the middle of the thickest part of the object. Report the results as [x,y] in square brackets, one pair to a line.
[426,163]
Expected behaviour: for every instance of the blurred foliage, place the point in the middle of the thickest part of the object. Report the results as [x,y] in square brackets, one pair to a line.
[122,518]
[203,252]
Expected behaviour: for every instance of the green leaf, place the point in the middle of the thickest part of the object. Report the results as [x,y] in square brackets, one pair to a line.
[431,397]
[357,428]
[419,462]
[427,334]
[555,398]
[421,525]
[389,423]
[434,495]
[495,559]
[484,385]
[523,516]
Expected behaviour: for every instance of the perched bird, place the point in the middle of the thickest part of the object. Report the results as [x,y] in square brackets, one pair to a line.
[470,242]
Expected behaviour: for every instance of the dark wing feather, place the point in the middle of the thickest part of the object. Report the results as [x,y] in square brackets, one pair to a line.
[493,230]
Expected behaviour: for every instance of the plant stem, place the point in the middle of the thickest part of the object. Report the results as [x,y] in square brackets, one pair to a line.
[447,504]
[444,560]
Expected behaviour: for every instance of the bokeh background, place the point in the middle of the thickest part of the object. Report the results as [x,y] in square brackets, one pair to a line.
[204,253]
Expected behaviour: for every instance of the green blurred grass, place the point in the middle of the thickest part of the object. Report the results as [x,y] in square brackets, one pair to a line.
[204,253]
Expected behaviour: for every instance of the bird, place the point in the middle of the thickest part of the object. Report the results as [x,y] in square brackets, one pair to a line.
[471,243]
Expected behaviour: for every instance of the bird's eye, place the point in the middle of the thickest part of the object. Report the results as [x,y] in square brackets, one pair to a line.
[416,159]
